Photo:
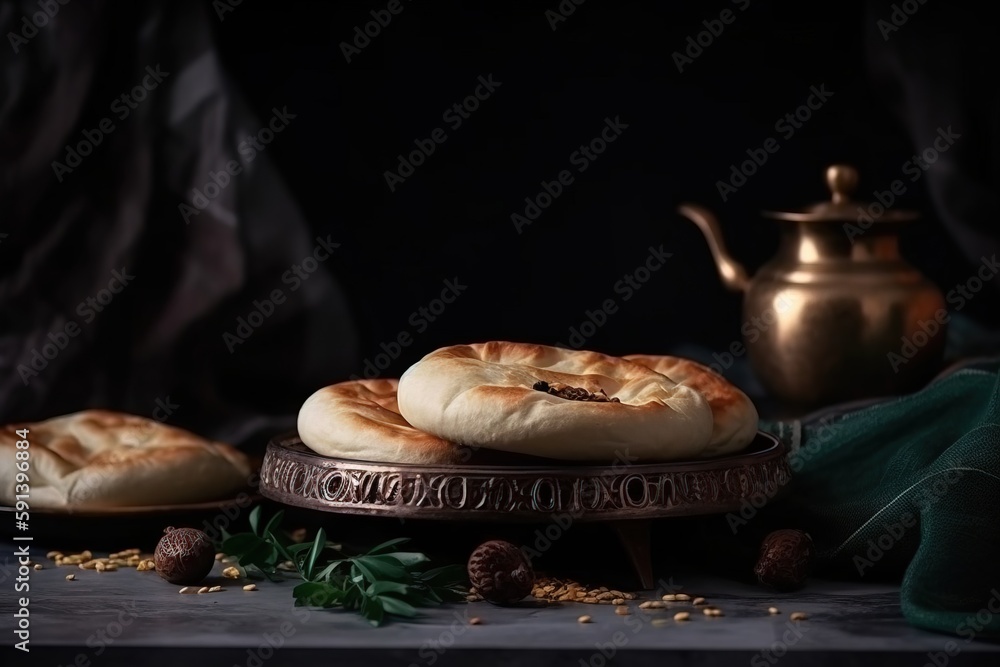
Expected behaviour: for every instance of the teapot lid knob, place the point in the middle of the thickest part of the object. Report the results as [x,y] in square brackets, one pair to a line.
[842,179]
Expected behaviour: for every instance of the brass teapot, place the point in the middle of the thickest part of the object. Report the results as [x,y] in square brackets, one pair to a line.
[837,314]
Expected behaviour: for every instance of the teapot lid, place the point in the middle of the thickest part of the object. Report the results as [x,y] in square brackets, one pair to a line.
[842,179]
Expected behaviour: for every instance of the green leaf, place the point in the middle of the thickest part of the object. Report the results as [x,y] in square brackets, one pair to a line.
[407,559]
[317,594]
[396,606]
[371,608]
[381,587]
[241,543]
[387,545]
[262,556]
[255,520]
[317,549]
[328,570]
[272,526]
[375,569]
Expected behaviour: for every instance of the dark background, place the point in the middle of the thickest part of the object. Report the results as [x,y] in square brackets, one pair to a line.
[452,217]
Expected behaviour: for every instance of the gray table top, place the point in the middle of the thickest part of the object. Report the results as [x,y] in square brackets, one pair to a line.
[137,618]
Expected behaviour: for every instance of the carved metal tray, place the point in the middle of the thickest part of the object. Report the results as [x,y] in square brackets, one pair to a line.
[295,475]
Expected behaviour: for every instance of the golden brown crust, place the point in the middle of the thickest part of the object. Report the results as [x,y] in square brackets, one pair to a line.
[482,395]
[99,458]
[733,413]
[360,420]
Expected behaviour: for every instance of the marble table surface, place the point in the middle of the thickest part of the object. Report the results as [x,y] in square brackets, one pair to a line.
[136,618]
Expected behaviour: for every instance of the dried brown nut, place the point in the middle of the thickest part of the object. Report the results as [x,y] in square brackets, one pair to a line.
[584,619]
[798,616]
[773,611]
[682,616]
[622,611]
[215,589]
[184,555]
[589,600]
[682,597]
[231,573]
[501,573]
[203,589]
[785,559]
[250,587]
[38,566]
[698,601]
[70,577]
[618,601]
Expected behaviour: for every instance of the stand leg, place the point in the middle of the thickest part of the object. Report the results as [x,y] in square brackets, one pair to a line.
[634,536]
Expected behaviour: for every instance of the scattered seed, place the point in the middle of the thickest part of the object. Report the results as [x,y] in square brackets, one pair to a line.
[203,589]
[773,611]
[250,587]
[215,589]
[698,601]
[38,566]
[186,589]
[669,597]
[54,555]
[475,620]
[708,611]
[100,566]
[618,601]
[798,616]
[622,611]
[652,604]
[682,616]
[231,573]
[590,600]
[584,619]
[716,612]
[682,597]
[70,577]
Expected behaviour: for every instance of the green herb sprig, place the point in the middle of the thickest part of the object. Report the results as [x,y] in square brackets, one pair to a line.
[380,582]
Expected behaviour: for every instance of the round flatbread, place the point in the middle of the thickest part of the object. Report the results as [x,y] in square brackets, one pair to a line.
[360,420]
[555,403]
[101,459]
[733,413]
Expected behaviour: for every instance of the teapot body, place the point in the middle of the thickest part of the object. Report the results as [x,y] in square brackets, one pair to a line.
[831,318]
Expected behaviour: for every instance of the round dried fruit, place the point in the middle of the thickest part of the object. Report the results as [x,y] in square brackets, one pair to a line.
[500,572]
[785,559]
[184,555]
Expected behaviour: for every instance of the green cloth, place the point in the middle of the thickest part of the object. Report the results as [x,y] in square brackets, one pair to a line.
[907,487]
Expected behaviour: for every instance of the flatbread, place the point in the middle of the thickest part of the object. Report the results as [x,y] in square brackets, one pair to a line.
[733,413]
[360,420]
[484,395]
[102,459]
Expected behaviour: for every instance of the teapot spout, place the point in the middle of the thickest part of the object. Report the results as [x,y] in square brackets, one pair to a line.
[733,275]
